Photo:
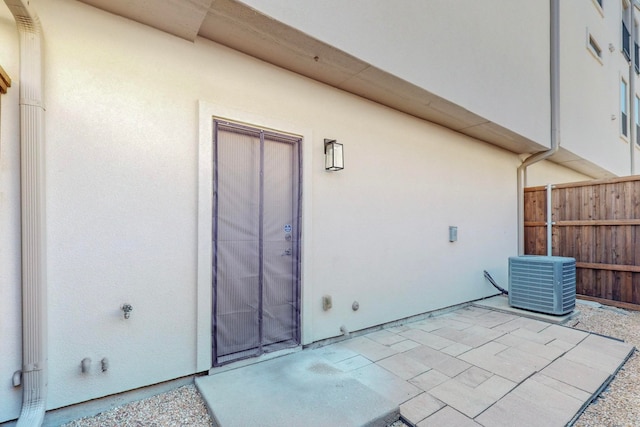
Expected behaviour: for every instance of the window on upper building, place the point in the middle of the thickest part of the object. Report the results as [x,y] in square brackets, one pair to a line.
[626,39]
[624,108]
[598,5]
[594,47]
[637,113]
[626,35]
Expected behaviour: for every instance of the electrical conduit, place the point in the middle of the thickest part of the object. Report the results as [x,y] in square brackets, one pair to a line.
[554,68]
[34,298]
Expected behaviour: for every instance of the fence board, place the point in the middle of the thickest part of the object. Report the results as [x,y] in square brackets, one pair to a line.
[597,223]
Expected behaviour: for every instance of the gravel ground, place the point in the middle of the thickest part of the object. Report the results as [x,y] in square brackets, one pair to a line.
[618,406]
[180,407]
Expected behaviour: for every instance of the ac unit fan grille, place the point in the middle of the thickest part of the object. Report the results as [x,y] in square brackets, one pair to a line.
[543,284]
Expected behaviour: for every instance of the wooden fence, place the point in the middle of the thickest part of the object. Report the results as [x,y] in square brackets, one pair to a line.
[598,224]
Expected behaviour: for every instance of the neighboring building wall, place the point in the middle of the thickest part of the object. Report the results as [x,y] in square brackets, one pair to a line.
[492,50]
[122,170]
[491,57]
[590,85]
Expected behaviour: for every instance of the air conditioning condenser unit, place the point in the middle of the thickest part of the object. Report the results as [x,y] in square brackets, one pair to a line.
[546,284]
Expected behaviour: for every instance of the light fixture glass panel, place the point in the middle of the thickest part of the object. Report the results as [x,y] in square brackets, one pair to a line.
[333,155]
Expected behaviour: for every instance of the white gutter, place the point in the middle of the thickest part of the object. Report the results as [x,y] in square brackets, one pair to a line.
[34,295]
[554,68]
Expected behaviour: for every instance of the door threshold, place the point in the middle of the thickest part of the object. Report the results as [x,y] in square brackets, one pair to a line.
[253,360]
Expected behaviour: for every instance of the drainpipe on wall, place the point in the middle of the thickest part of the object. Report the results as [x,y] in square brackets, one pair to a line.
[34,295]
[632,87]
[554,68]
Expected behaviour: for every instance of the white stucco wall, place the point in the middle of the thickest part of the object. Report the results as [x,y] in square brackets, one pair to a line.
[10,296]
[122,169]
[546,172]
[491,57]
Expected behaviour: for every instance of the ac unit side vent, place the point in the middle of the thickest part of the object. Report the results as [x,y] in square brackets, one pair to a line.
[546,284]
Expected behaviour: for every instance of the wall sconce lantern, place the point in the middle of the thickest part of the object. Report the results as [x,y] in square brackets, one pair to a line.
[333,155]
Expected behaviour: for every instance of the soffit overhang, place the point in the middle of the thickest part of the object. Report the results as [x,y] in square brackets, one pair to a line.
[238,26]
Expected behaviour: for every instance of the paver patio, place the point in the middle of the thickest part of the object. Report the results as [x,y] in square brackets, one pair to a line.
[470,367]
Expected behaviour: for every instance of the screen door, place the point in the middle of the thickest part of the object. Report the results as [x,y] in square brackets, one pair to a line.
[256,295]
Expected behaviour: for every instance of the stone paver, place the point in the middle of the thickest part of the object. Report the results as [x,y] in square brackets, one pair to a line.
[385,337]
[449,417]
[532,403]
[513,410]
[405,345]
[432,340]
[576,374]
[456,349]
[368,348]
[545,351]
[429,379]
[403,366]
[593,358]
[474,376]
[462,398]
[564,333]
[420,407]
[565,388]
[479,367]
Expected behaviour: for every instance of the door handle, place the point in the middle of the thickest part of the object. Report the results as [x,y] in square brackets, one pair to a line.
[287,252]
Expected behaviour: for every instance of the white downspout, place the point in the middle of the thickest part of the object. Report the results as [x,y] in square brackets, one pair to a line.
[632,87]
[554,68]
[34,290]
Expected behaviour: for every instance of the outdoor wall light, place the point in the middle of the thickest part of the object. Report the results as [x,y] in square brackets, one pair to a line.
[333,155]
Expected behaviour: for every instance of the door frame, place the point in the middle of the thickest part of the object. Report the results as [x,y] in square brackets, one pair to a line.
[208,112]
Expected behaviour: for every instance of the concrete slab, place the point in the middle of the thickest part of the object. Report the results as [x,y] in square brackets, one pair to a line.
[299,389]
[501,303]
[370,349]
[353,363]
[335,353]
[386,384]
